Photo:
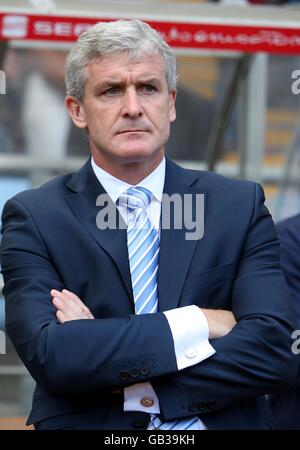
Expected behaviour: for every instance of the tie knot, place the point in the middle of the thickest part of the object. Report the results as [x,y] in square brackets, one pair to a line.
[135,197]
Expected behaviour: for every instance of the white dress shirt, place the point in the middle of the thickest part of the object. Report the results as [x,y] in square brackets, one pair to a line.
[188,324]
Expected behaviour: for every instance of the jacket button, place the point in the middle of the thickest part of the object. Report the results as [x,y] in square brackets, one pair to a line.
[124,375]
[134,373]
[192,407]
[147,402]
[201,406]
[211,405]
[145,370]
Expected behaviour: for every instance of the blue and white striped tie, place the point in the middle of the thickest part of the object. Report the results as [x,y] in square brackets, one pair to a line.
[143,251]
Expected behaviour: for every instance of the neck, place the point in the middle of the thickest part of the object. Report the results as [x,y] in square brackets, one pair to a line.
[132,172]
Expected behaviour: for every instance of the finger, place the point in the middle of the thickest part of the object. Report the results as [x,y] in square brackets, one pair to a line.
[72,295]
[68,305]
[72,313]
[66,314]
[76,300]
[73,300]
[62,318]
[66,309]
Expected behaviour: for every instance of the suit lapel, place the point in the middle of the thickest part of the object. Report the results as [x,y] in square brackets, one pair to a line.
[82,201]
[176,251]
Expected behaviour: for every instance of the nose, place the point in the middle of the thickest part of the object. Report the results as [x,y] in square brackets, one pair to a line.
[132,106]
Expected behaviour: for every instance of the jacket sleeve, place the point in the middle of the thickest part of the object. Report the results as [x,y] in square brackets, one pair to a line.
[80,355]
[255,358]
[289,236]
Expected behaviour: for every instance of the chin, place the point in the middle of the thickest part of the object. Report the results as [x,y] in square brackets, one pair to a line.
[136,155]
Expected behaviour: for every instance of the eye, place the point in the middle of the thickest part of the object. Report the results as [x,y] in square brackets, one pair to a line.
[148,88]
[112,91]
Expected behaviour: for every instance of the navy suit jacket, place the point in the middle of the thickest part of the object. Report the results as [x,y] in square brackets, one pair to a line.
[286,405]
[50,240]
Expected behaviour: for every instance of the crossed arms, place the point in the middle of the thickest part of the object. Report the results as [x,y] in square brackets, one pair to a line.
[70,356]
[70,307]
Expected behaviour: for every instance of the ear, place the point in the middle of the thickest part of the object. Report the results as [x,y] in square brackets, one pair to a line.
[172,110]
[76,110]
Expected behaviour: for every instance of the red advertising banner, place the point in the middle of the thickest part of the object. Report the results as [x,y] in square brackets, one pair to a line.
[177,34]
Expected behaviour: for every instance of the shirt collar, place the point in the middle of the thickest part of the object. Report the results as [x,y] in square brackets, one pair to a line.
[154,182]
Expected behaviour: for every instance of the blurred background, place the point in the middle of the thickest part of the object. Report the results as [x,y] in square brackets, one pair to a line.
[237,114]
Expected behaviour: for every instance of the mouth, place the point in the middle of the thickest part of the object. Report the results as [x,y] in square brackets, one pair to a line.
[132,131]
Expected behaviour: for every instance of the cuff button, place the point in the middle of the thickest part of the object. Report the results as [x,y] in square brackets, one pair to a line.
[147,402]
[192,353]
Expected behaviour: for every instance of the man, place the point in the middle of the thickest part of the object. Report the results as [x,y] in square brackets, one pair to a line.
[114,322]
[286,404]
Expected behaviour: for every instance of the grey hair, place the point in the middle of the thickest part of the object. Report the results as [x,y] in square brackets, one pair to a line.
[105,38]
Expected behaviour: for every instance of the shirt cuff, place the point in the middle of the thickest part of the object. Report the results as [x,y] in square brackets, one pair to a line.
[141,397]
[190,332]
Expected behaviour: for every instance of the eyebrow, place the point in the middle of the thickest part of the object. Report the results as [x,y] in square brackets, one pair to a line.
[150,80]
[118,82]
[106,84]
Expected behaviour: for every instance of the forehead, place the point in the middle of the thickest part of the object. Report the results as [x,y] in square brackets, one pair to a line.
[121,65]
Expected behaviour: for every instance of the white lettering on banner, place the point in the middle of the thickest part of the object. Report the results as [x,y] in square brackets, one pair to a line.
[272,38]
[80,28]
[43,28]
[63,29]
[190,35]
[60,29]
[14,27]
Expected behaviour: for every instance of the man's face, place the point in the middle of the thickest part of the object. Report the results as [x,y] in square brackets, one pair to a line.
[127,108]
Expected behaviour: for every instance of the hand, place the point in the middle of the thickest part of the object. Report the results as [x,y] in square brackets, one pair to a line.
[220,322]
[69,306]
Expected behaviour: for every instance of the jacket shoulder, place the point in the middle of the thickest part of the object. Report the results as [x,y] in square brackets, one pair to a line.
[55,188]
[217,182]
